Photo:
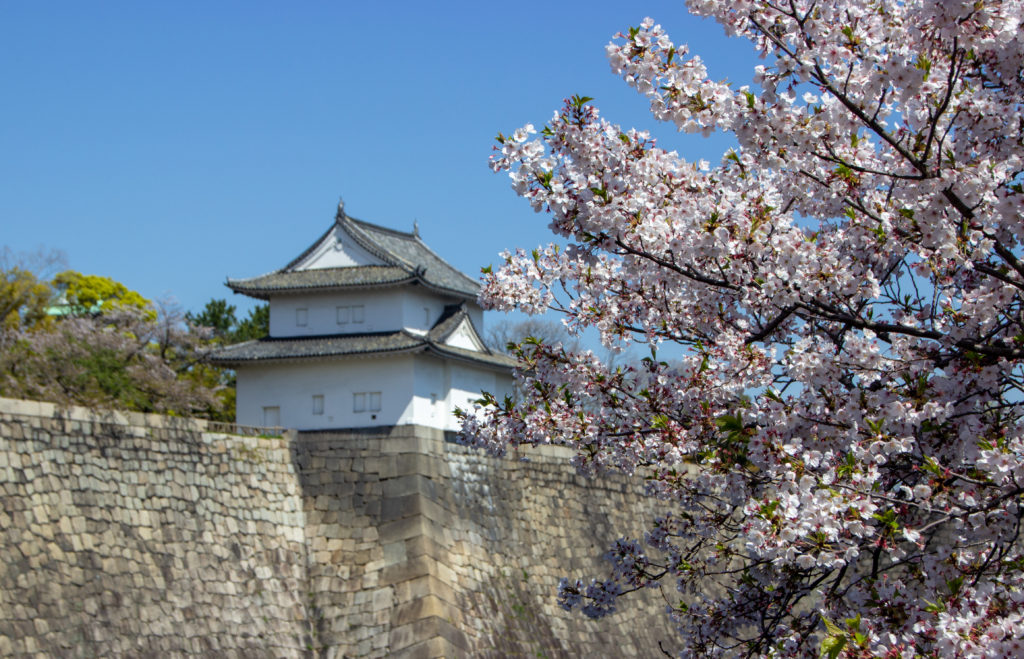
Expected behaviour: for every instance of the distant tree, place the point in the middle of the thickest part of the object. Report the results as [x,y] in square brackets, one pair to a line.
[84,294]
[219,320]
[217,315]
[25,294]
[89,340]
[255,326]
[506,335]
[131,359]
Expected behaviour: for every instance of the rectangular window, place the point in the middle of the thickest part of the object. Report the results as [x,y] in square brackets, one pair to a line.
[375,401]
[358,402]
[318,404]
[272,416]
[357,313]
[343,313]
[426,316]
[301,317]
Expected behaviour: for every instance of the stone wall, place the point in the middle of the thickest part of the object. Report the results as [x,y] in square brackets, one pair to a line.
[424,548]
[133,535]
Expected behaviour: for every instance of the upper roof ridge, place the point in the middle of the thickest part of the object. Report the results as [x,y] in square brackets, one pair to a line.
[402,250]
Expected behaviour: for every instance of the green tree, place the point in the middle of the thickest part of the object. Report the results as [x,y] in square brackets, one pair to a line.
[255,326]
[217,315]
[84,294]
[89,340]
[25,295]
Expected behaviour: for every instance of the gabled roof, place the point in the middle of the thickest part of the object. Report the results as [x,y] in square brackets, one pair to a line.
[404,259]
[377,343]
[283,281]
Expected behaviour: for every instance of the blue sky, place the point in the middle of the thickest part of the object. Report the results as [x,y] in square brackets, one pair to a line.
[172,145]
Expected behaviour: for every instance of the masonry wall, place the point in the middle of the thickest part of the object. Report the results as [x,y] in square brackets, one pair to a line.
[147,536]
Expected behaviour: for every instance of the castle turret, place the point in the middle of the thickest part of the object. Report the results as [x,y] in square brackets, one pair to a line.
[368,327]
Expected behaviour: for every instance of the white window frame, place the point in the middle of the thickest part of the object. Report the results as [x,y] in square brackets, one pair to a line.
[343,315]
[359,402]
[318,404]
[358,313]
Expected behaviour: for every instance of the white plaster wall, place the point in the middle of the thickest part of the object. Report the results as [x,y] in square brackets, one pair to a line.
[463,337]
[430,399]
[456,385]
[415,304]
[382,312]
[337,250]
[406,383]
[467,383]
[292,385]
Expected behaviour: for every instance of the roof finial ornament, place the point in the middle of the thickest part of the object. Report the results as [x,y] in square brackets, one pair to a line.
[341,208]
[416,228]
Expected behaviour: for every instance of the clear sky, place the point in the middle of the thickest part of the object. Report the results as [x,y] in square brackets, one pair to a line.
[172,145]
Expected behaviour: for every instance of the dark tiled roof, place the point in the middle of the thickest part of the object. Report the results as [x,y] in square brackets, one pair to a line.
[356,276]
[492,358]
[267,348]
[449,320]
[413,252]
[338,345]
[407,257]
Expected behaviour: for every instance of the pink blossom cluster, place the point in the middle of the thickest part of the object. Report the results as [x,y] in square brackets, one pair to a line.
[839,453]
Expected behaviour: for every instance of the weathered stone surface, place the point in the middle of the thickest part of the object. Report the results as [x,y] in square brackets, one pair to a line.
[136,535]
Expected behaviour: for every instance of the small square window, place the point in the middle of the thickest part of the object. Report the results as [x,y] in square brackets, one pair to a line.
[358,402]
[318,404]
[357,313]
[375,401]
[301,317]
[272,416]
[343,315]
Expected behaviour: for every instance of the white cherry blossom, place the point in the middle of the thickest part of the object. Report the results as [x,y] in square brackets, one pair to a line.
[838,457]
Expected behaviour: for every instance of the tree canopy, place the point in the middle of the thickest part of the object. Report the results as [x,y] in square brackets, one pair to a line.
[219,317]
[89,340]
[839,457]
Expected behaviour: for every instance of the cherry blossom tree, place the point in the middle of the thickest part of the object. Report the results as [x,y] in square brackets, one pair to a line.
[838,459]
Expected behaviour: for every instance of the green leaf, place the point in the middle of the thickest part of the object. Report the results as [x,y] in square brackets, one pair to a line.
[730,423]
[834,643]
[578,101]
[924,64]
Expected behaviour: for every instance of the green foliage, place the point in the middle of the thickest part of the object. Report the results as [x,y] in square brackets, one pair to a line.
[255,326]
[220,317]
[23,298]
[89,340]
[25,295]
[84,294]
